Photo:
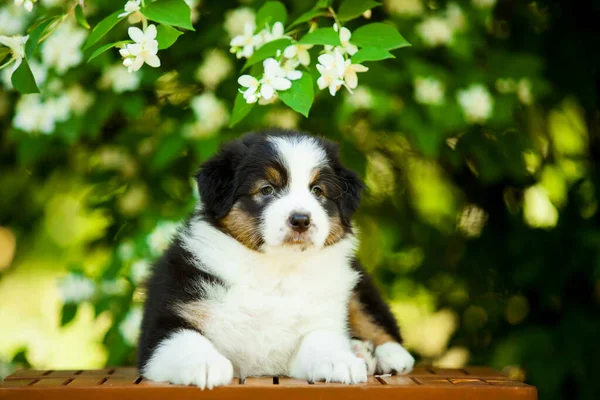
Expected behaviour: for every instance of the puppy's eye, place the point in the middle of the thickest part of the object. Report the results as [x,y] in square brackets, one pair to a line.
[266,190]
[317,191]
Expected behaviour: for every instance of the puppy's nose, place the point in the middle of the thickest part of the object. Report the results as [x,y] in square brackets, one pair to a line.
[299,222]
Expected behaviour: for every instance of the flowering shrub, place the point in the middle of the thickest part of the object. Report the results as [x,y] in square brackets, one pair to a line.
[475,143]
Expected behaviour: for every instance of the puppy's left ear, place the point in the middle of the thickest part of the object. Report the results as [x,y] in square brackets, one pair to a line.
[350,184]
[217,180]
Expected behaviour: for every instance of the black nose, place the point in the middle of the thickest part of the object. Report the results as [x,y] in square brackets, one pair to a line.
[299,222]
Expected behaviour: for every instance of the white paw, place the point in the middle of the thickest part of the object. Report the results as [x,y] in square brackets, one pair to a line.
[364,349]
[392,357]
[188,358]
[342,367]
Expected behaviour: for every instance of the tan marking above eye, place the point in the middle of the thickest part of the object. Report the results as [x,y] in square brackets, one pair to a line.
[241,226]
[274,176]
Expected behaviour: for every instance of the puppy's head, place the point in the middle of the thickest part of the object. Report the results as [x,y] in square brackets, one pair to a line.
[280,189]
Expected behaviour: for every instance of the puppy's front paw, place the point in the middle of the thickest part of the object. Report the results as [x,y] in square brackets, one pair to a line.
[338,367]
[392,357]
[188,358]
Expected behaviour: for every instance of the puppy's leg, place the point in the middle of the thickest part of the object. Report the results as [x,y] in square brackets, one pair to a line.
[188,358]
[326,356]
[371,319]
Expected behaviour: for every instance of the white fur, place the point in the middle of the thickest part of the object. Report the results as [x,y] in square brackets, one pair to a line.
[270,300]
[327,356]
[301,157]
[391,357]
[364,349]
[188,358]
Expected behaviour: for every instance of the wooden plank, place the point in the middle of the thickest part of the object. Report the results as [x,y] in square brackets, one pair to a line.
[433,381]
[146,382]
[28,373]
[120,382]
[396,380]
[284,381]
[126,371]
[63,373]
[85,382]
[483,372]
[50,382]
[448,372]
[14,383]
[97,372]
[470,382]
[259,381]
[421,371]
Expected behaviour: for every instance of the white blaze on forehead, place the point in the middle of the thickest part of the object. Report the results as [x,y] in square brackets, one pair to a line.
[301,156]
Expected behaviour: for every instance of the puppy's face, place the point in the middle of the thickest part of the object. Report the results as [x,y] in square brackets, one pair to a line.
[279,190]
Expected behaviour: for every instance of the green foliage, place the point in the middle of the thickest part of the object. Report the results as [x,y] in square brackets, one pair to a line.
[240,110]
[371,54]
[169,12]
[102,28]
[380,35]
[300,96]
[167,36]
[321,36]
[268,50]
[350,9]
[269,13]
[23,80]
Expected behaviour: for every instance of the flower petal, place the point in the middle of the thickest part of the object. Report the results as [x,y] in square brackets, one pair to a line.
[351,49]
[332,89]
[152,60]
[290,51]
[248,81]
[267,91]
[294,75]
[271,67]
[137,63]
[304,57]
[322,83]
[237,41]
[281,83]
[150,32]
[326,59]
[136,34]
[359,68]
[277,30]
[134,49]
[351,79]
[345,35]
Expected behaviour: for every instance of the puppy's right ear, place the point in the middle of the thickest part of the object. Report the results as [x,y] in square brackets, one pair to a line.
[217,180]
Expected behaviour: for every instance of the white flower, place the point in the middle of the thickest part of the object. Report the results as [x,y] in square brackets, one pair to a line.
[345,36]
[211,114]
[143,50]
[33,114]
[16,44]
[119,79]
[80,100]
[140,270]
[361,98]
[350,78]
[236,20]
[275,78]
[131,6]
[215,68]
[159,239]
[484,4]
[429,91]
[404,8]
[243,45]
[252,85]
[455,16]
[332,68]
[12,20]
[62,49]
[435,31]
[193,4]
[28,4]
[130,326]
[476,102]
[298,52]
[76,288]
[524,91]
[268,35]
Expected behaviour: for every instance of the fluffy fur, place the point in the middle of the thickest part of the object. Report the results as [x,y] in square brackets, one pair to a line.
[244,290]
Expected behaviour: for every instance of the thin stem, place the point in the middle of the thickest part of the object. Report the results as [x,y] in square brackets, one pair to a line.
[144,23]
[335,18]
[8,63]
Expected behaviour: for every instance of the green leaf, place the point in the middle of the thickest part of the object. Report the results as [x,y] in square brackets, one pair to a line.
[68,313]
[322,36]
[240,110]
[380,35]
[167,36]
[268,50]
[300,96]
[371,54]
[351,9]
[81,17]
[4,51]
[169,149]
[269,13]
[36,34]
[323,3]
[23,80]
[102,29]
[106,47]
[170,12]
[307,16]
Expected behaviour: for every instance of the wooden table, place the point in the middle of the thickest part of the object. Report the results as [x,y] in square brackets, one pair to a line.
[424,383]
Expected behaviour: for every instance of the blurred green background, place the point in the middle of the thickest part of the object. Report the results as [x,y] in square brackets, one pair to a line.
[479,144]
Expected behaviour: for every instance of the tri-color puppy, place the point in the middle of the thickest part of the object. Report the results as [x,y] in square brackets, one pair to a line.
[263,279]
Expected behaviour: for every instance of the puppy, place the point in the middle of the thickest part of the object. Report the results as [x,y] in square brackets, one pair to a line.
[263,279]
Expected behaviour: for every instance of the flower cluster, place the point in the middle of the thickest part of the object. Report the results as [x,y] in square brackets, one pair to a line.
[334,65]
[27,4]
[439,30]
[144,48]
[476,102]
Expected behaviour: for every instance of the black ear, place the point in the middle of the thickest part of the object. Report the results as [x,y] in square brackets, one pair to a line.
[350,183]
[216,180]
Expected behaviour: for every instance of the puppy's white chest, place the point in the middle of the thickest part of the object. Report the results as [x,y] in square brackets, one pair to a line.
[258,321]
